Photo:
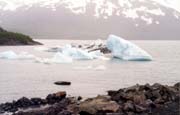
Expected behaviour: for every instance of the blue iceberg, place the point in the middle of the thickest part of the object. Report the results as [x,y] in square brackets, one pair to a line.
[126,50]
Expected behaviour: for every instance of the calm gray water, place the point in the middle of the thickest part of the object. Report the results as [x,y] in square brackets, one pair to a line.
[25,78]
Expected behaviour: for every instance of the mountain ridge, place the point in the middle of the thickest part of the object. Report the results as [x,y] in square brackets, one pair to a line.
[154,22]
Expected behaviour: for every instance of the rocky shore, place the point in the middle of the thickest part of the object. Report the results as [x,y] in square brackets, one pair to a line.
[12,38]
[145,99]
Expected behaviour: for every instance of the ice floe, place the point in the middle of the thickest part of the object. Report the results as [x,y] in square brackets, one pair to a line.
[77,53]
[126,50]
[12,55]
[57,58]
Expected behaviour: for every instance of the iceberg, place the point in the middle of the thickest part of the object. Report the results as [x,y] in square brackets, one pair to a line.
[77,53]
[12,55]
[57,58]
[126,50]
[8,55]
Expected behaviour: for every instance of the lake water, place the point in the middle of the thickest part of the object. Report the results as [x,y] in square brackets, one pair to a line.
[26,78]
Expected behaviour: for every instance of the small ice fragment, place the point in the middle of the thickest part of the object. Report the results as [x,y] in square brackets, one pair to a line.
[13,55]
[8,55]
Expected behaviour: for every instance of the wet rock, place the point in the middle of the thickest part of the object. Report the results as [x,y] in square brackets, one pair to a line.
[98,104]
[128,106]
[79,98]
[8,107]
[38,101]
[177,86]
[62,83]
[149,103]
[55,97]
[55,109]
[23,102]
[65,112]
[139,99]
[140,109]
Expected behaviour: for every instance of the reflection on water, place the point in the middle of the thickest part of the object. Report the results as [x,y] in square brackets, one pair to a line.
[25,78]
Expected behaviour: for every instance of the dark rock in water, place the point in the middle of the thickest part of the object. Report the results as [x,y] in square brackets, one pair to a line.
[11,38]
[62,83]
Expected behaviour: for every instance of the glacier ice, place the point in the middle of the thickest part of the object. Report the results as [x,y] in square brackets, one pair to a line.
[12,55]
[57,58]
[79,54]
[8,55]
[126,50]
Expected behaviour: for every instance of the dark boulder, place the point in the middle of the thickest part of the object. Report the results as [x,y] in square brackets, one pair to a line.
[55,97]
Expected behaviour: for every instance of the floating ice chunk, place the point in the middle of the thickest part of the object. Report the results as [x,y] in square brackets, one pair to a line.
[13,55]
[57,58]
[8,55]
[96,54]
[25,55]
[61,58]
[76,53]
[126,50]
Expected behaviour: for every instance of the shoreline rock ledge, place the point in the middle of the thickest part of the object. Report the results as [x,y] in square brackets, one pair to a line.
[12,38]
[145,99]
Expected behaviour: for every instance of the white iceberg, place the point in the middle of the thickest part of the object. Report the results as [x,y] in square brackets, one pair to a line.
[126,50]
[77,53]
[57,58]
[12,55]
[8,55]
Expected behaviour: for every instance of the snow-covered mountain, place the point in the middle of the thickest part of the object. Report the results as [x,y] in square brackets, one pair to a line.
[91,19]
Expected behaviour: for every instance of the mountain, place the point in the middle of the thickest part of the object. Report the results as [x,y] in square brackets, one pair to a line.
[92,19]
